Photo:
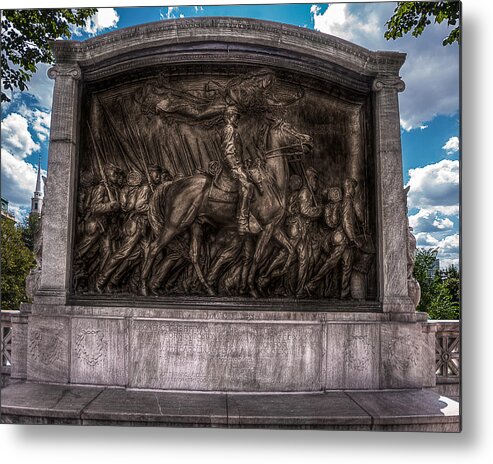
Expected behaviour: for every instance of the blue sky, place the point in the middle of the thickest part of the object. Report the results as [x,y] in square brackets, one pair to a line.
[429,106]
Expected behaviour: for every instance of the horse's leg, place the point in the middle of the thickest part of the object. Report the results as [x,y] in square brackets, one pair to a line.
[195,242]
[262,242]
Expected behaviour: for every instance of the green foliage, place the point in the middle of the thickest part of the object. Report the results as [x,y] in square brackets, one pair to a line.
[26,37]
[416,16]
[440,293]
[17,261]
[30,228]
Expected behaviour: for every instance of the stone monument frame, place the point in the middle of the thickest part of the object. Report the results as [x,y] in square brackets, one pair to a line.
[385,345]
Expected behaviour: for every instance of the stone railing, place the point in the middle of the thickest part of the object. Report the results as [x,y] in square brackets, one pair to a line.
[447,356]
[447,349]
[6,340]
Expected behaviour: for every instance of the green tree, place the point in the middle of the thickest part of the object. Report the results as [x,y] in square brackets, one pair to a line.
[17,260]
[416,16]
[422,265]
[29,229]
[441,304]
[451,277]
[26,37]
[440,293]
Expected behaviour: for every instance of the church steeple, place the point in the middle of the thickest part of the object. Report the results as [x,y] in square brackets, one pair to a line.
[37,198]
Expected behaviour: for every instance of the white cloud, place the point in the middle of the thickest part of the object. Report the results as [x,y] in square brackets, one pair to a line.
[430,220]
[431,71]
[435,186]
[426,240]
[18,179]
[41,124]
[423,127]
[435,193]
[103,19]
[452,145]
[41,86]
[16,136]
[450,244]
[19,212]
[39,121]
[169,12]
[337,20]
[443,223]
[431,74]
[448,251]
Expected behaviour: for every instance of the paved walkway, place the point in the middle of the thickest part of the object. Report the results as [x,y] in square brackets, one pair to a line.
[410,410]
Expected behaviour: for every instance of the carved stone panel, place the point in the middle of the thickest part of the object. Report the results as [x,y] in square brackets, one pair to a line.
[98,351]
[47,349]
[407,356]
[225,356]
[225,181]
[353,356]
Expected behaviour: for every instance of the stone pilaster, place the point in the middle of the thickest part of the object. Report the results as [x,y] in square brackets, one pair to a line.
[57,214]
[391,200]
[19,342]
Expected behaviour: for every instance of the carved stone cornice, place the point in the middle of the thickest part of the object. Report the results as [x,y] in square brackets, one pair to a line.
[70,70]
[389,83]
[168,35]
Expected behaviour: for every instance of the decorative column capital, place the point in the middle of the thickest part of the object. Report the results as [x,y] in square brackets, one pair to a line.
[70,70]
[392,83]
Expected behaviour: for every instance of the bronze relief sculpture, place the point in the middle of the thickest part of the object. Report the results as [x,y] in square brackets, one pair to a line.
[211,188]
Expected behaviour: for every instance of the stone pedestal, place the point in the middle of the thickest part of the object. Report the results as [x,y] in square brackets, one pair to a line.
[228,350]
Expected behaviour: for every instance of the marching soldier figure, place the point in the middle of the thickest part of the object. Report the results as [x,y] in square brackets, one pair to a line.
[342,218]
[135,205]
[101,215]
[309,212]
[336,243]
[155,175]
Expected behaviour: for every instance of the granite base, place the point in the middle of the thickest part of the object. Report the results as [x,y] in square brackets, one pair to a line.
[393,410]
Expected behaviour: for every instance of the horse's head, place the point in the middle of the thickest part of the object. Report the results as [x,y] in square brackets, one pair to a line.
[284,140]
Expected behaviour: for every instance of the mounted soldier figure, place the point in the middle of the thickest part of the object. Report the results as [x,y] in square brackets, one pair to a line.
[232,151]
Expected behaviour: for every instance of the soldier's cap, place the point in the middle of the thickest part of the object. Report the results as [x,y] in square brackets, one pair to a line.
[312,172]
[112,167]
[134,178]
[87,178]
[155,167]
[333,193]
[295,181]
[351,181]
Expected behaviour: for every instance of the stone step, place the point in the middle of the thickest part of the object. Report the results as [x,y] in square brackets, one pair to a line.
[399,410]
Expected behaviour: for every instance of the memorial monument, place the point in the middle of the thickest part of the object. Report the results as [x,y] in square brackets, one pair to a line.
[225,212]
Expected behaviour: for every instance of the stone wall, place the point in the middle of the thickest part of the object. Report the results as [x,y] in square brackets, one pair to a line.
[217,350]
